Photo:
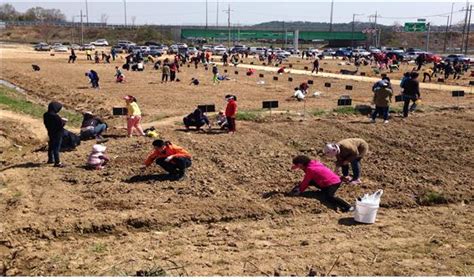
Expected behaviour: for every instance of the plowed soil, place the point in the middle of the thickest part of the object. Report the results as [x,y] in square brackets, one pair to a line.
[231,216]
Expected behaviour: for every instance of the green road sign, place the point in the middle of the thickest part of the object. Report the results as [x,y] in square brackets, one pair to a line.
[415,27]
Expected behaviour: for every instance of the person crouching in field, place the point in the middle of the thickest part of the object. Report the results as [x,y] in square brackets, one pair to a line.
[320,176]
[382,98]
[348,151]
[172,158]
[93,78]
[97,158]
[231,112]
[134,116]
[119,77]
[196,119]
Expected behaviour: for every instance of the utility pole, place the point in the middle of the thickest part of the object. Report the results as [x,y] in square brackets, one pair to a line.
[330,19]
[87,14]
[125,10]
[464,27]
[446,35]
[82,29]
[449,29]
[468,30]
[217,15]
[428,37]
[353,28]
[206,15]
[228,24]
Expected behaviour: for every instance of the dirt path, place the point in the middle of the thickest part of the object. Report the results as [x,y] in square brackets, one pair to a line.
[440,87]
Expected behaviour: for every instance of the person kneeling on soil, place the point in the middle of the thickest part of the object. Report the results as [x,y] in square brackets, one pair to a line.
[320,176]
[97,158]
[281,70]
[348,151]
[171,158]
[197,119]
[119,76]
[92,127]
[221,120]
[299,95]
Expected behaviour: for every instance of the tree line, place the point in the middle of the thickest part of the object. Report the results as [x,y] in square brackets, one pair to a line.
[9,13]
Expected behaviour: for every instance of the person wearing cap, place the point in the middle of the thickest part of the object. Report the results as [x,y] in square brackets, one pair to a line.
[134,116]
[91,127]
[231,112]
[382,98]
[348,151]
[55,126]
[172,158]
[97,158]
[320,176]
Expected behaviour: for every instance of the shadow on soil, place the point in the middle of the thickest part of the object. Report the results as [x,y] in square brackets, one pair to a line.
[23,165]
[349,221]
[149,178]
[211,131]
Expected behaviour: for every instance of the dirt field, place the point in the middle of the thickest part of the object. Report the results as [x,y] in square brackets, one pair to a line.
[231,216]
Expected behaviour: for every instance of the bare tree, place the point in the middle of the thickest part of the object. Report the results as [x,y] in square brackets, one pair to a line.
[104,18]
[8,12]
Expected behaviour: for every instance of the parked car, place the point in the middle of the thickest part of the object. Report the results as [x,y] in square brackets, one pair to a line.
[328,52]
[238,49]
[152,43]
[59,48]
[373,50]
[42,47]
[219,50]
[343,52]
[430,57]
[134,49]
[118,49]
[457,58]
[100,42]
[156,51]
[257,51]
[208,48]
[293,50]
[173,49]
[125,44]
[282,53]
[399,56]
[192,50]
[360,52]
[412,55]
[86,47]
[75,47]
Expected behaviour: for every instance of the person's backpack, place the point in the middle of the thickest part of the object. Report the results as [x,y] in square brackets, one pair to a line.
[70,141]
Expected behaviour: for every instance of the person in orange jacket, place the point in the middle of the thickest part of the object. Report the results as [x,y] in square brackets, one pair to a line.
[231,112]
[172,158]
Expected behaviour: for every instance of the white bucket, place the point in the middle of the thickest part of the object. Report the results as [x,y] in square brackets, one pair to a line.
[365,213]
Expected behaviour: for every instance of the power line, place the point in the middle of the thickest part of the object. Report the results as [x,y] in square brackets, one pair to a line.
[228,11]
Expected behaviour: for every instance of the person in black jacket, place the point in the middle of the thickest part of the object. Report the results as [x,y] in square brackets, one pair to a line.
[55,126]
[197,119]
[411,92]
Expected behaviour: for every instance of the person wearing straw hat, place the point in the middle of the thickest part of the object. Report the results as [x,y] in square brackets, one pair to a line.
[134,116]
[320,176]
[348,151]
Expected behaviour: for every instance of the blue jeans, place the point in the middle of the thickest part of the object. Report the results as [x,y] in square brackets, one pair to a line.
[54,146]
[355,164]
[381,111]
[99,129]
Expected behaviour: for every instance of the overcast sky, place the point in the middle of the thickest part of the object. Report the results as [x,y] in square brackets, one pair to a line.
[251,12]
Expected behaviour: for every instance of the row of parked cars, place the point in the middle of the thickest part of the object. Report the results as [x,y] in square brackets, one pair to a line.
[59,47]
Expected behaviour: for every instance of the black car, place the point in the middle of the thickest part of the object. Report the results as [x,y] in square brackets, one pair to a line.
[400,56]
[152,43]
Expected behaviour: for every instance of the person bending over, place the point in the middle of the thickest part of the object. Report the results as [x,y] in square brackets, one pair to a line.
[320,176]
[172,158]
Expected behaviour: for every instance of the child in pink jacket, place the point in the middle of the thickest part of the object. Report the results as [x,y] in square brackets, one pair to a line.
[320,176]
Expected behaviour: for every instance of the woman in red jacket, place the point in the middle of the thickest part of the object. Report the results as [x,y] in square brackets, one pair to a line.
[231,111]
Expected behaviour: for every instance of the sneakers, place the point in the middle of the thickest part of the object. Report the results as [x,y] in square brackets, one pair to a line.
[385,122]
[59,165]
[355,182]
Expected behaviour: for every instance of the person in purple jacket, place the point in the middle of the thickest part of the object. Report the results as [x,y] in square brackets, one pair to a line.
[320,176]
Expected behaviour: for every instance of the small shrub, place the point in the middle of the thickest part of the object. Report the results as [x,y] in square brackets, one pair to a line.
[431,198]
[346,111]
[318,112]
[248,116]
[99,248]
